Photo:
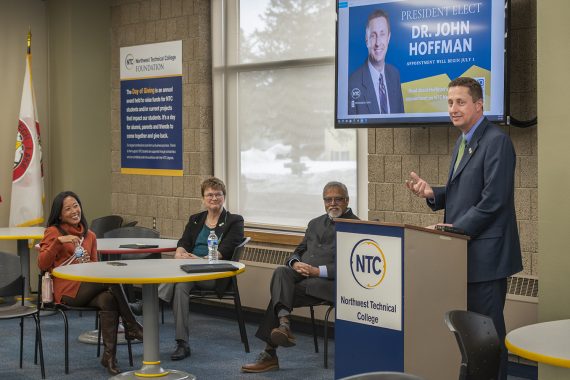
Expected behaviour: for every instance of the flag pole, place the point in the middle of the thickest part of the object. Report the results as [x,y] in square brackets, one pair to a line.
[30,40]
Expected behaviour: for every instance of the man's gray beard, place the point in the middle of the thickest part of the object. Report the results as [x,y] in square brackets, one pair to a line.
[334,213]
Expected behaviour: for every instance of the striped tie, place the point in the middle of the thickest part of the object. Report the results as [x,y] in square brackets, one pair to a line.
[382,93]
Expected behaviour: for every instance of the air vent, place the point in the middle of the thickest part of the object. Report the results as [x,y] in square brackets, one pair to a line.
[523,287]
[267,255]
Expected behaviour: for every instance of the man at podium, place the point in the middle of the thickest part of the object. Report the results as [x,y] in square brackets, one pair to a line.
[307,278]
[479,200]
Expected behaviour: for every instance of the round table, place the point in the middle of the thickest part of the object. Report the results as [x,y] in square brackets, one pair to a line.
[149,273]
[22,235]
[112,246]
[546,342]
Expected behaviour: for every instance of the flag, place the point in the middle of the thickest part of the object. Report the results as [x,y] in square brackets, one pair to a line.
[26,206]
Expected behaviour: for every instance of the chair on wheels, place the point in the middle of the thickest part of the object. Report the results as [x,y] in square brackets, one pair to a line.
[478,342]
[326,329]
[105,223]
[62,309]
[383,376]
[231,292]
[13,285]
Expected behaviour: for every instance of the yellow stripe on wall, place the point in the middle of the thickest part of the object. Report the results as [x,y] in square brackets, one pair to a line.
[164,172]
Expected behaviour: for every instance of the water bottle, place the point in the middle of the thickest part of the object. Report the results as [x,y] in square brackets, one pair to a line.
[79,253]
[212,247]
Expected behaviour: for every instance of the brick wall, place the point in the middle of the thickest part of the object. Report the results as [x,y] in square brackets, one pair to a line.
[393,153]
[171,200]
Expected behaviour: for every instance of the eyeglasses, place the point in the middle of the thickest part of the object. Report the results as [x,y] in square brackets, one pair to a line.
[329,200]
[214,195]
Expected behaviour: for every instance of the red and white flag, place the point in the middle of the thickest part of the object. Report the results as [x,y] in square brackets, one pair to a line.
[26,206]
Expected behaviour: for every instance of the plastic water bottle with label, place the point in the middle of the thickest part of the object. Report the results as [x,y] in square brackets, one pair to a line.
[212,247]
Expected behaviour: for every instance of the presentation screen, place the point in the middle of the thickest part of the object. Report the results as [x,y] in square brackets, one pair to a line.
[396,58]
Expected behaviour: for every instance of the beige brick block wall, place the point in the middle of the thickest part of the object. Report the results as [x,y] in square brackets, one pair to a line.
[394,152]
[166,201]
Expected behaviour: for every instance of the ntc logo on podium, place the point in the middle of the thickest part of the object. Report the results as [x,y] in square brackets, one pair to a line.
[367,264]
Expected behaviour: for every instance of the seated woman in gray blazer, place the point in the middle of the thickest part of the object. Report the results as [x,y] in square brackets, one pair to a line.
[194,244]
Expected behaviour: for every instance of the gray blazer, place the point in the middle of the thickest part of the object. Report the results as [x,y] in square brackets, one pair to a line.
[319,248]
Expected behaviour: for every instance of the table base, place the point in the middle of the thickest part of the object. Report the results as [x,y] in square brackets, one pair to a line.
[90,337]
[154,371]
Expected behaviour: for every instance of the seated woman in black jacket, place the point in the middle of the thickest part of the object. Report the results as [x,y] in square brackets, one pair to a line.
[194,244]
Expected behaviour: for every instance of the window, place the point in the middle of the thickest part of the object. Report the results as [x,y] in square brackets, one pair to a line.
[274,137]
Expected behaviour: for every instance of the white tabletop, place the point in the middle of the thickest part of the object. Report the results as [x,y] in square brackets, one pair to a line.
[112,245]
[18,233]
[146,271]
[546,342]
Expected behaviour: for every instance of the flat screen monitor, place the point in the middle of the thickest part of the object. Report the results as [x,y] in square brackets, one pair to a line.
[395,59]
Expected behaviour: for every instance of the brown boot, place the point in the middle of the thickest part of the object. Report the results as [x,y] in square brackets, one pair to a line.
[133,329]
[109,325]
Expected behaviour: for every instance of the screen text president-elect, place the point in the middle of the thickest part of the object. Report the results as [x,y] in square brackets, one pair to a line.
[374,88]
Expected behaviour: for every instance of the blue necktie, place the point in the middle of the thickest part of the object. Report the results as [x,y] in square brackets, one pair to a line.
[382,93]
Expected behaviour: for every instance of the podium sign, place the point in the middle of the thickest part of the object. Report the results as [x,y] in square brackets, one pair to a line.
[391,299]
[372,294]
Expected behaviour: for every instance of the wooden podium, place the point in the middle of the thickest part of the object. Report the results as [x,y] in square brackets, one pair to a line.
[394,284]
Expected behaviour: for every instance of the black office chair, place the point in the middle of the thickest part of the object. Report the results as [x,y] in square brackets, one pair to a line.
[133,232]
[62,309]
[383,376]
[326,329]
[231,292]
[478,342]
[12,286]
[105,223]
[132,223]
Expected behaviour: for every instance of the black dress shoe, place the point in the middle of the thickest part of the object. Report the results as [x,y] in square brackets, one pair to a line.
[182,351]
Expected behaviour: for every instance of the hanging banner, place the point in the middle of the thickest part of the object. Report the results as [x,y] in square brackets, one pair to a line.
[151,109]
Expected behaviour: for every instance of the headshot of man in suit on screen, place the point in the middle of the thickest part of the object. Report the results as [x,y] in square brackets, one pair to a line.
[374,88]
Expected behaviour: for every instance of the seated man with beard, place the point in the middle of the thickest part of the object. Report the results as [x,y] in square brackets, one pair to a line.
[306,279]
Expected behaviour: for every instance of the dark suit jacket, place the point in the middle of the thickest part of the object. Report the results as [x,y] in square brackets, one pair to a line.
[229,231]
[361,80]
[479,199]
[319,248]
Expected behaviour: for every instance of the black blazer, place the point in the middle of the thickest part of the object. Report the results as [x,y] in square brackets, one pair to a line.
[319,248]
[230,234]
[229,231]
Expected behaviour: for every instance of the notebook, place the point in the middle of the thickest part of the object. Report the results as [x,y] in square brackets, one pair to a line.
[138,246]
[207,268]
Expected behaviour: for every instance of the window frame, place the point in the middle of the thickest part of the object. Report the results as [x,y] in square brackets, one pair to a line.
[225,71]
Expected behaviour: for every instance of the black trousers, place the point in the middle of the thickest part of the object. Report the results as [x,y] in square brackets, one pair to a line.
[288,290]
[488,298]
[95,295]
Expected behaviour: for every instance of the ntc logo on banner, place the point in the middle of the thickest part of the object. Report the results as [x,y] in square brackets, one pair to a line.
[368,264]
